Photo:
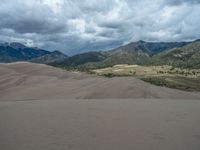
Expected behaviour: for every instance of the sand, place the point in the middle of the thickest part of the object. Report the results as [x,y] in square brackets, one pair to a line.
[46,108]
[106,124]
[23,81]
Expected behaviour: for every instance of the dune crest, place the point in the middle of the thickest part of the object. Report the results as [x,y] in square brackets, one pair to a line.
[21,81]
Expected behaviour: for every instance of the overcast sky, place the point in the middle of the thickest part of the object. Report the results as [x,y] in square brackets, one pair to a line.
[75,26]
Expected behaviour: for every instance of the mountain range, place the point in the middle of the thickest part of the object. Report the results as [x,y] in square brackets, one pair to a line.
[12,52]
[187,56]
[178,54]
[141,52]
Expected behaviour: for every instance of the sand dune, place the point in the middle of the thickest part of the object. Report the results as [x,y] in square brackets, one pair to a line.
[106,124]
[21,81]
[46,108]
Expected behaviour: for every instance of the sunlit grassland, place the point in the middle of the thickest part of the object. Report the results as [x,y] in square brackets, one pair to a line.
[184,79]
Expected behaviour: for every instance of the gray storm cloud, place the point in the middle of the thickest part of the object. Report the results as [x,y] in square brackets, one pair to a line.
[75,26]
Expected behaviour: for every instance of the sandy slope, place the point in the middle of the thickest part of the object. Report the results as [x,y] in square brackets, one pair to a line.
[106,124]
[21,81]
[39,110]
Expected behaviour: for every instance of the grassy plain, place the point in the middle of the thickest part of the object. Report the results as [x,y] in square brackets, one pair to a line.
[184,79]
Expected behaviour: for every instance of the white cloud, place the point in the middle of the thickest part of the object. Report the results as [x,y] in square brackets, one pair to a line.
[75,26]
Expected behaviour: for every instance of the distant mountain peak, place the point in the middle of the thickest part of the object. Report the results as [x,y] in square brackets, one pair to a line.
[17,45]
[141,41]
[14,45]
[198,40]
[11,52]
[57,52]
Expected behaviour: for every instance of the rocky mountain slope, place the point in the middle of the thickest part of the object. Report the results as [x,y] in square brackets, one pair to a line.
[185,57]
[140,52]
[12,52]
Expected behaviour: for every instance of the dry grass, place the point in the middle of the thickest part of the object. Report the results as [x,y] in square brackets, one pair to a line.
[136,70]
[184,79]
